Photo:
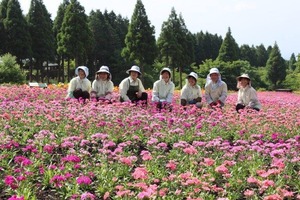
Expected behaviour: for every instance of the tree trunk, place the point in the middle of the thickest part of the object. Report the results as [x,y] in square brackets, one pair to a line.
[180,77]
[63,68]
[69,70]
[30,70]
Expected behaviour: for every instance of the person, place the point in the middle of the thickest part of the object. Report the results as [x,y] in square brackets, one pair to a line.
[102,86]
[163,90]
[191,91]
[247,97]
[131,88]
[80,86]
[215,89]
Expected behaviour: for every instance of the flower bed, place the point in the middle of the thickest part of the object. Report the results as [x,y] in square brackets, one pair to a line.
[52,148]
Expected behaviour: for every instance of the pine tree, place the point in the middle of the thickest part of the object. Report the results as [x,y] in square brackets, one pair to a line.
[229,50]
[276,69]
[249,54]
[140,39]
[75,36]
[16,28]
[262,55]
[175,44]
[57,29]
[40,27]
[3,34]
[292,62]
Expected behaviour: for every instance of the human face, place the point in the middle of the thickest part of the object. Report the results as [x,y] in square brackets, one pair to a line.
[214,77]
[134,75]
[103,76]
[244,82]
[165,76]
[192,81]
[81,74]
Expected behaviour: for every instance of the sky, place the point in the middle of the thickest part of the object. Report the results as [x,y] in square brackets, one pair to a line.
[252,22]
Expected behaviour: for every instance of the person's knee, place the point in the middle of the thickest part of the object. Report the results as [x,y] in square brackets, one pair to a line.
[183,102]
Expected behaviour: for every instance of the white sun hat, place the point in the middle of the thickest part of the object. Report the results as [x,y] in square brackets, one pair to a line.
[193,74]
[84,68]
[134,68]
[243,76]
[214,71]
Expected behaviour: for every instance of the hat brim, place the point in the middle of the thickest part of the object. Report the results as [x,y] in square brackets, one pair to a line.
[191,76]
[130,70]
[102,71]
[240,77]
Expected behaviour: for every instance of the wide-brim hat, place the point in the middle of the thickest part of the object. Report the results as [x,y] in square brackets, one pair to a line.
[214,71]
[84,68]
[166,69]
[104,69]
[193,74]
[243,76]
[134,68]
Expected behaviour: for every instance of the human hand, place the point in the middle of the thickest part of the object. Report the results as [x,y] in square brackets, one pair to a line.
[139,94]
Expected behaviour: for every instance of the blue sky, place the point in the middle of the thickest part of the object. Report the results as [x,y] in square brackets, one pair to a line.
[252,22]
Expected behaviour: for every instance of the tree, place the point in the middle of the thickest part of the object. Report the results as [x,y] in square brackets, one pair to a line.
[10,71]
[276,69]
[175,44]
[75,36]
[140,39]
[3,35]
[40,27]
[229,50]
[249,54]
[16,28]
[262,55]
[292,62]
[57,29]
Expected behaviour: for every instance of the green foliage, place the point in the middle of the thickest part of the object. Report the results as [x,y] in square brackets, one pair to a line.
[40,26]
[140,40]
[230,70]
[262,55]
[75,36]
[229,50]
[276,68]
[292,62]
[292,81]
[16,28]
[10,71]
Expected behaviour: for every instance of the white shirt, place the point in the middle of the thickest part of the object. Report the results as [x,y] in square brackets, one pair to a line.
[163,91]
[215,92]
[124,87]
[189,92]
[248,97]
[102,87]
[77,83]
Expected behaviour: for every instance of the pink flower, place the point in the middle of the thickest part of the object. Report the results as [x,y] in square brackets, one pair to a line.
[106,195]
[221,169]
[140,173]
[190,150]
[273,197]
[87,196]
[71,158]
[171,165]
[14,197]
[84,180]
[146,155]
[22,160]
[58,180]
[208,162]
[11,182]
[249,193]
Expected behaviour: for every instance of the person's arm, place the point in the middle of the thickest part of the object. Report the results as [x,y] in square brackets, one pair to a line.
[141,87]
[253,98]
[223,96]
[170,94]
[207,95]
[124,87]
[240,98]
[71,88]
[110,90]
[155,93]
[89,86]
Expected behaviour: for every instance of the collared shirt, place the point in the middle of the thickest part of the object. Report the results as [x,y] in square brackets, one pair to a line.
[189,92]
[163,91]
[102,87]
[216,92]
[248,97]
[77,83]
[124,87]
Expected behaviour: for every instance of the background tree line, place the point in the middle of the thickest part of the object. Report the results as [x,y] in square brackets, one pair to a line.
[49,50]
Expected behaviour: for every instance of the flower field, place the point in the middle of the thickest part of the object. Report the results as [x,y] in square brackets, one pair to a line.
[52,148]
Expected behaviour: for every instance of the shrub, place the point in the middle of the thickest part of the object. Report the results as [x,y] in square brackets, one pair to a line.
[10,71]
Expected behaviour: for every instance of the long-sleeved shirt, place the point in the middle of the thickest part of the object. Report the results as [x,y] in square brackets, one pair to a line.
[190,93]
[163,91]
[124,87]
[102,88]
[77,83]
[248,97]
[216,92]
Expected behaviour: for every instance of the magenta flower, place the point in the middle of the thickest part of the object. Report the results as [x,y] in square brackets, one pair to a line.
[87,196]
[222,169]
[71,158]
[11,182]
[58,180]
[84,180]
[15,197]
[22,160]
